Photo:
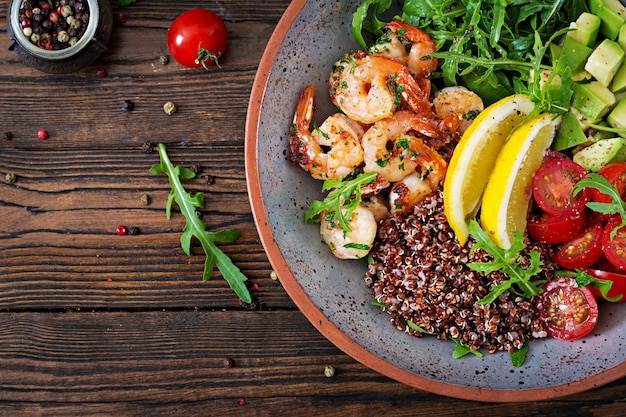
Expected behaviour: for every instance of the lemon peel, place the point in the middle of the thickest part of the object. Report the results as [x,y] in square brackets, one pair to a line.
[504,207]
[474,158]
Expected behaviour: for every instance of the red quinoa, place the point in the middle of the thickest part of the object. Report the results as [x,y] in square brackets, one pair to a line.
[420,273]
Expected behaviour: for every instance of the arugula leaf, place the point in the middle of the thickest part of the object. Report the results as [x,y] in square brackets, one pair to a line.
[616,206]
[360,22]
[461,350]
[195,227]
[124,3]
[495,40]
[584,279]
[341,201]
[506,261]
[417,328]
[518,356]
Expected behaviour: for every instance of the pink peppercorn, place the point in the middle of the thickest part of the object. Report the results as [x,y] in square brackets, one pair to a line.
[102,73]
[121,230]
[42,134]
[241,401]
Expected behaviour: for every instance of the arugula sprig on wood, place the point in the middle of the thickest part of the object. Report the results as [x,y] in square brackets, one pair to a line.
[195,227]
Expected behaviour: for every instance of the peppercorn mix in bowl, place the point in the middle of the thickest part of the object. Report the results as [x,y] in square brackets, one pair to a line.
[338,296]
[59,36]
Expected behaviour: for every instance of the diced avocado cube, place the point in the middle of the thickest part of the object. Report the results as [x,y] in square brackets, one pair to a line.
[586,28]
[612,14]
[621,37]
[619,80]
[604,61]
[573,55]
[601,153]
[592,100]
[570,133]
[617,116]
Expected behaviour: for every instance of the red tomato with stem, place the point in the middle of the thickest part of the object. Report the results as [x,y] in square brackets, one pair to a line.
[615,247]
[584,250]
[553,229]
[619,283]
[553,183]
[568,312]
[197,38]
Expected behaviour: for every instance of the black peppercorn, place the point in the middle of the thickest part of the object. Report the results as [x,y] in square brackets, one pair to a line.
[228,363]
[128,105]
[146,147]
[7,136]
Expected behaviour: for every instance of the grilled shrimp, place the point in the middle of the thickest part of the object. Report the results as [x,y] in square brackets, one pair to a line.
[355,244]
[408,45]
[408,192]
[331,151]
[393,149]
[457,107]
[370,88]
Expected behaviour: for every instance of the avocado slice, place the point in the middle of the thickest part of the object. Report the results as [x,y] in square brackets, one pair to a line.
[612,14]
[592,100]
[601,153]
[604,61]
[573,55]
[586,28]
[617,116]
[570,133]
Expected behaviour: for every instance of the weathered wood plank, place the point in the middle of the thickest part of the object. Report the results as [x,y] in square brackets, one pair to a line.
[171,364]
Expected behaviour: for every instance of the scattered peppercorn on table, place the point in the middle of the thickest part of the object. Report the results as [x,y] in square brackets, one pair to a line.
[101,311]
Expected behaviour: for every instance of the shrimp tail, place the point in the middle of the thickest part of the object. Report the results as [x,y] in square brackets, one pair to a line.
[299,134]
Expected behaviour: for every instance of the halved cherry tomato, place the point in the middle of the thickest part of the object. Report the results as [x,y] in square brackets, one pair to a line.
[553,183]
[619,283]
[584,250]
[553,229]
[568,312]
[615,173]
[615,248]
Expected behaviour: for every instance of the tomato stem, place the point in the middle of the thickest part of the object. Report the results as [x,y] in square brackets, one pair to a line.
[203,55]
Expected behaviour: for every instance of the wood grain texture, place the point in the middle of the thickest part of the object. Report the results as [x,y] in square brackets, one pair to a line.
[95,324]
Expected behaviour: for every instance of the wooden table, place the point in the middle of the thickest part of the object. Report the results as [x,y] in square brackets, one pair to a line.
[96,324]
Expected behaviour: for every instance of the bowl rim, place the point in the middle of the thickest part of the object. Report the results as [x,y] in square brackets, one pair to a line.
[311,311]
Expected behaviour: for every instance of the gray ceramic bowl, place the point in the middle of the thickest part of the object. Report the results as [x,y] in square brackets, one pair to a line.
[331,293]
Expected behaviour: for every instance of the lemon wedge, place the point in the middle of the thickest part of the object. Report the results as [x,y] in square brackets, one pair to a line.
[474,158]
[504,206]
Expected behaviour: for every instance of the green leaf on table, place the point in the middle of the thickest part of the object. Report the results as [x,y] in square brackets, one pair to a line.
[195,227]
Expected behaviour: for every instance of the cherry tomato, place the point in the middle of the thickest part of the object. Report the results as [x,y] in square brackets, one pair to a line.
[584,250]
[615,248]
[197,38]
[615,173]
[553,183]
[618,287]
[568,312]
[553,229]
